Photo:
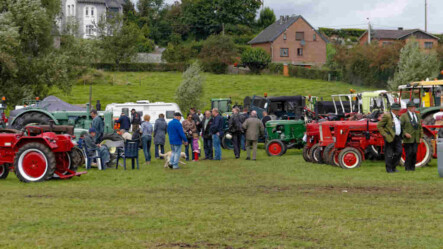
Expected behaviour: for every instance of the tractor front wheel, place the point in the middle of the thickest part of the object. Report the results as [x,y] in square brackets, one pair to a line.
[4,171]
[333,157]
[315,153]
[34,162]
[227,143]
[349,158]
[275,148]
[306,155]
[326,153]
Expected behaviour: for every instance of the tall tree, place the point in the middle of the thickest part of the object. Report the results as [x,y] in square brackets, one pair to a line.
[267,17]
[414,65]
[190,92]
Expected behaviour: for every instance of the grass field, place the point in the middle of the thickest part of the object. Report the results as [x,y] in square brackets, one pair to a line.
[114,87]
[271,203]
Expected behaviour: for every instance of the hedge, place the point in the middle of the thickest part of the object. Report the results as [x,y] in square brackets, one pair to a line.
[142,67]
[304,72]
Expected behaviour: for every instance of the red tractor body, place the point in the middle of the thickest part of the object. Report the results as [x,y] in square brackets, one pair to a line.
[36,155]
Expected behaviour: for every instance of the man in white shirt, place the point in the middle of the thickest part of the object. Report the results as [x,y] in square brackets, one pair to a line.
[412,135]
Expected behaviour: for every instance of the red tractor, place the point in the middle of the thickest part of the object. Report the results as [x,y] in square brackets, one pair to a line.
[36,155]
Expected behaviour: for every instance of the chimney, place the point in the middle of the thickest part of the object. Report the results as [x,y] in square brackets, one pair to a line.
[400,28]
[287,19]
[282,19]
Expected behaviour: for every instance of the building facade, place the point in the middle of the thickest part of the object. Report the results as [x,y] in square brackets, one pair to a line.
[294,41]
[385,37]
[82,16]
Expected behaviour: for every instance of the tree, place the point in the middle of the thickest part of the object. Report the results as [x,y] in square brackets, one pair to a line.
[217,53]
[190,92]
[267,17]
[414,65]
[29,64]
[119,41]
[256,59]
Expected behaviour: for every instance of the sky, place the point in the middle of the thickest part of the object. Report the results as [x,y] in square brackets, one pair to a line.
[383,14]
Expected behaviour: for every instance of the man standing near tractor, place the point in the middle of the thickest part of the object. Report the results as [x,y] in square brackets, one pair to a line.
[412,135]
[390,128]
[254,129]
[136,120]
[236,130]
[98,125]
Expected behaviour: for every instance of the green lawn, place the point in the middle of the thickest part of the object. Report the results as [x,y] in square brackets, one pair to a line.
[114,87]
[279,202]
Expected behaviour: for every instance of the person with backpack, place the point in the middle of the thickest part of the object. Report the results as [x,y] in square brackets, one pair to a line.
[236,131]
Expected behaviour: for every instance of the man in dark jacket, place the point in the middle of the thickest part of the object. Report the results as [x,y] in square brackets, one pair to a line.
[176,138]
[412,135]
[207,135]
[91,145]
[136,120]
[235,129]
[217,133]
[196,119]
[98,125]
[244,116]
[124,122]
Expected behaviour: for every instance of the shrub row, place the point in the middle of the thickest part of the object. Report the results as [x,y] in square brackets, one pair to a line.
[142,67]
[306,73]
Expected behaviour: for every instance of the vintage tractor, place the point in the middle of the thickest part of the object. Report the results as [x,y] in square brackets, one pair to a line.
[36,155]
[283,107]
[283,135]
[52,109]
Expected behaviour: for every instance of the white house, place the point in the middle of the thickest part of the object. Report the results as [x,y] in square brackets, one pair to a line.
[87,13]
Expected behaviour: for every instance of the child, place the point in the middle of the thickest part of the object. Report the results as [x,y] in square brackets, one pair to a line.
[81,140]
[195,146]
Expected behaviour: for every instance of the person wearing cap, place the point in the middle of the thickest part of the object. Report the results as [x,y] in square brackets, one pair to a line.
[124,122]
[412,135]
[98,125]
[136,120]
[92,146]
[176,138]
[390,128]
[217,133]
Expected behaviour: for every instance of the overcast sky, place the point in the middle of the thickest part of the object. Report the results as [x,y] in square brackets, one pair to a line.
[387,14]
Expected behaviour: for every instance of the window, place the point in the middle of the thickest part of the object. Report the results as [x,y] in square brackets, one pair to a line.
[429,45]
[284,52]
[92,11]
[314,37]
[299,36]
[284,36]
[300,51]
[87,11]
[69,10]
[89,29]
[170,114]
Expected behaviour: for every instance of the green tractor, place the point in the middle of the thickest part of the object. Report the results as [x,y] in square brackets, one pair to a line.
[54,110]
[284,135]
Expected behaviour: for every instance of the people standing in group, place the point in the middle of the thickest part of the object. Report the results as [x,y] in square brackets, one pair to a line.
[146,131]
[412,135]
[207,135]
[189,128]
[160,131]
[253,130]
[266,118]
[135,120]
[200,115]
[124,122]
[244,116]
[390,128]
[176,138]
[98,125]
[217,133]
[92,146]
[236,130]
[196,119]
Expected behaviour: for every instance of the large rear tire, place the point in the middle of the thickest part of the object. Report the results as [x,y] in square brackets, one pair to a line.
[34,162]
[30,118]
[275,148]
[333,158]
[424,154]
[4,171]
[350,158]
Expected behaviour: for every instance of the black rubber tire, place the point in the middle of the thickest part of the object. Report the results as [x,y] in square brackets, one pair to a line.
[227,143]
[30,118]
[326,151]
[77,158]
[306,155]
[348,150]
[332,160]
[50,157]
[427,158]
[282,145]
[313,153]
[4,171]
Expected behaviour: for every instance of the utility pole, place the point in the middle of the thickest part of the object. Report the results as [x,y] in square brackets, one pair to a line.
[426,15]
[369,31]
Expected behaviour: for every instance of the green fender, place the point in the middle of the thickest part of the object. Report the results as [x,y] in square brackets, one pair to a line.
[429,111]
[39,111]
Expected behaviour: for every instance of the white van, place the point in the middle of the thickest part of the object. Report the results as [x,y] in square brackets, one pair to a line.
[144,107]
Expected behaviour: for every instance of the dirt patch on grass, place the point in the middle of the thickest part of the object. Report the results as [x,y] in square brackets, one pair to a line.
[194,245]
[329,189]
[39,196]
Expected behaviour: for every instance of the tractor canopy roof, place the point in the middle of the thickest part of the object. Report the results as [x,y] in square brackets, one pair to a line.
[50,104]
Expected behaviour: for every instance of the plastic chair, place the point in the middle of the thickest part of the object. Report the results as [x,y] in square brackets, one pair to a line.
[129,151]
[94,155]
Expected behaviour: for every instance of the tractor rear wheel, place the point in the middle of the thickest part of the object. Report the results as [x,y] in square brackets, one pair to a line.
[34,162]
[333,157]
[77,157]
[424,154]
[326,152]
[315,155]
[306,155]
[227,143]
[30,118]
[4,171]
[275,148]
[349,158]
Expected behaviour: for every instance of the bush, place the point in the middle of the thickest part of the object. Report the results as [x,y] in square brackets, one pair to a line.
[275,68]
[256,59]
[142,67]
[217,53]
[179,53]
